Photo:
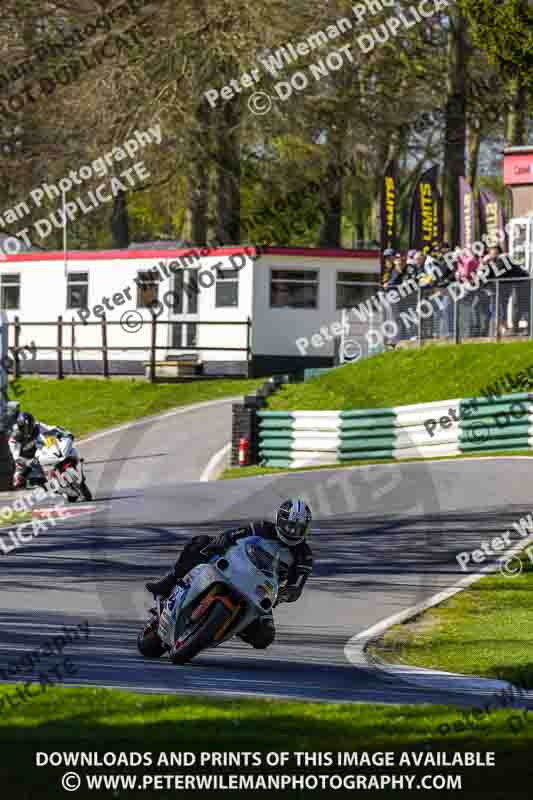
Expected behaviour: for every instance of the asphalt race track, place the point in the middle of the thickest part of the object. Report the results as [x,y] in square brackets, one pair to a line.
[385,538]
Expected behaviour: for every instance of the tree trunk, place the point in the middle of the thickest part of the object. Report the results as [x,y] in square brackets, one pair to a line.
[516,119]
[455,122]
[198,178]
[359,228]
[120,229]
[474,143]
[228,227]
[331,201]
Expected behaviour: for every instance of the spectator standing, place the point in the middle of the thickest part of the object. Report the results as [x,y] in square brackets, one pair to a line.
[467,267]
[388,264]
[514,289]
[397,277]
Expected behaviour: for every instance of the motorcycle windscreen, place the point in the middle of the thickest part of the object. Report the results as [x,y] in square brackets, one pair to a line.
[261,556]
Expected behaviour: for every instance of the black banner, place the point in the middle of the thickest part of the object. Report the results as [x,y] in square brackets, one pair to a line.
[388,215]
[426,223]
[466,214]
[491,220]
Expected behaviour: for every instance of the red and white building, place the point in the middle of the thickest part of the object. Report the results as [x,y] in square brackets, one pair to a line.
[518,176]
[287,294]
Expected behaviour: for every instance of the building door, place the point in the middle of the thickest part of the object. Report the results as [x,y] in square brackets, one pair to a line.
[183,332]
[521,241]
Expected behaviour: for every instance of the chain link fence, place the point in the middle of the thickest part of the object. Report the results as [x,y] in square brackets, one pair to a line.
[500,310]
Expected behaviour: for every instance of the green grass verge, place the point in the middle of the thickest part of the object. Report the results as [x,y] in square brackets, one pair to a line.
[402,377]
[85,405]
[484,630]
[99,720]
[250,472]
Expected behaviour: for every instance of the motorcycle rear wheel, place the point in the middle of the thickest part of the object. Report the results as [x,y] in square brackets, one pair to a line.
[203,636]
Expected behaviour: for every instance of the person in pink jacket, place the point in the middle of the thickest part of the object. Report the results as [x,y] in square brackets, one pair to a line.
[468,266]
[466,269]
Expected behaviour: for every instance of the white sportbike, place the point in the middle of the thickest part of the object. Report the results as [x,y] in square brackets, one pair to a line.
[216,601]
[58,468]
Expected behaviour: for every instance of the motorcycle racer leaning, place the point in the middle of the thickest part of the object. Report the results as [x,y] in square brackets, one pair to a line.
[293,521]
[27,437]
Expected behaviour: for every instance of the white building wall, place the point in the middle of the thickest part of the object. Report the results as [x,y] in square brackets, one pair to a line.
[276,330]
[43,297]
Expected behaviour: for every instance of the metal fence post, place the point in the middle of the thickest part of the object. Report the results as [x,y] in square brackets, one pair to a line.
[248,339]
[16,360]
[344,325]
[6,461]
[152,348]
[73,345]
[497,310]
[419,326]
[530,308]
[105,355]
[455,321]
[4,368]
[60,347]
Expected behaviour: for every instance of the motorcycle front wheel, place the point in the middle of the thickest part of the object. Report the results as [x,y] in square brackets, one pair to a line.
[149,645]
[202,636]
[86,492]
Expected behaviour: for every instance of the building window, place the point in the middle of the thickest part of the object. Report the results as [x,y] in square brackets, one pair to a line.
[227,289]
[10,292]
[294,288]
[78,290]
[191,332]
[185,285]
[178,293]
[192,290]
[353,288]
[147,289]
[184,334]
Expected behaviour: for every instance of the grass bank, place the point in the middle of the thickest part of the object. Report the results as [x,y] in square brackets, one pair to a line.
[484,630]
[98,720]
[402,377]
[85,405]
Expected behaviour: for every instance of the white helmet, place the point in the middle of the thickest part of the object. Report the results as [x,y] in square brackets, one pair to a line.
[293,521]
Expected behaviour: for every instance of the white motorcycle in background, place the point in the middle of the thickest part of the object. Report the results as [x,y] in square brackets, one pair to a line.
[58,468]
[216,601]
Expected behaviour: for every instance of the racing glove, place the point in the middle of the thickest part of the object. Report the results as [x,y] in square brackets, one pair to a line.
[228,538]
[220,542]
[289,594]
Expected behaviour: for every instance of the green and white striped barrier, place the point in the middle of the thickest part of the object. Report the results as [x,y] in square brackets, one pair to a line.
[424,430]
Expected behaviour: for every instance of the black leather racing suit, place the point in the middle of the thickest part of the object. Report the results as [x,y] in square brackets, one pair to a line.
[198,550]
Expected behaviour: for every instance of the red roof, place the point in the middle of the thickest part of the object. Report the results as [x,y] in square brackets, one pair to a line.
[159,254]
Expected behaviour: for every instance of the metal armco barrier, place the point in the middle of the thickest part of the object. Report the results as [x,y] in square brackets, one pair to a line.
[500,310]
[424,430]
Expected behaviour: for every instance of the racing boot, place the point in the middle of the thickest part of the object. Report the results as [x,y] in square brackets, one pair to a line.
[163,587]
